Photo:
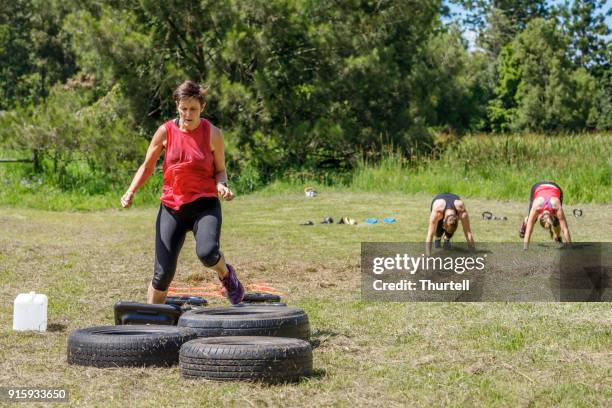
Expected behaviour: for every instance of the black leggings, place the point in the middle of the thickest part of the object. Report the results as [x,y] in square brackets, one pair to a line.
[203,217]
[533,189]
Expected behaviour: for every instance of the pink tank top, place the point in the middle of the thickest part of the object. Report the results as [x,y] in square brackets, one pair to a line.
[547,191]
[189,169]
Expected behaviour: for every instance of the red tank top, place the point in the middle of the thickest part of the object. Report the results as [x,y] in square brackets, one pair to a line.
[547,191]
[189,169]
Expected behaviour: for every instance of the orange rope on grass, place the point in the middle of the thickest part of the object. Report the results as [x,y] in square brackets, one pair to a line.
[217,290]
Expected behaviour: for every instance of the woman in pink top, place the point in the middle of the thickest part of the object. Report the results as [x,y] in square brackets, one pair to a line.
[545,206]
[194,178]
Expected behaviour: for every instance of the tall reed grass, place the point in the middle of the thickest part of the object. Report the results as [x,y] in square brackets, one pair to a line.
[76,189]
[502,167]
[489,166]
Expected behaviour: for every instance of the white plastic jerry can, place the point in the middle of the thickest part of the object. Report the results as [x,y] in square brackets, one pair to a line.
[30,312]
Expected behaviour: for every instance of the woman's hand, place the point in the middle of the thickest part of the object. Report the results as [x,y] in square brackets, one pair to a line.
[225,192]
[127,198]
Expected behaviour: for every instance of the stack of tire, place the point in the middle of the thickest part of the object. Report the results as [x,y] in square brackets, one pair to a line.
[250,341]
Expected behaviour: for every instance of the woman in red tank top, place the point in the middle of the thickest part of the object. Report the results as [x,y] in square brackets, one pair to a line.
[194,178]
[545,206]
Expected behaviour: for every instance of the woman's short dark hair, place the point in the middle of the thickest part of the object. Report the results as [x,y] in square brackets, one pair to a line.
[450,223]
[190,89]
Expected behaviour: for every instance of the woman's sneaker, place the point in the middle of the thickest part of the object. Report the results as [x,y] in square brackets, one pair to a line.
[523,230]
[233,288]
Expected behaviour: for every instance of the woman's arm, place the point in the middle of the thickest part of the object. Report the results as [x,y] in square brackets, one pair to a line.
[467,229]
[530,223]
[563,224]
[434,217]
[148,166]
[465,222]
[218,149]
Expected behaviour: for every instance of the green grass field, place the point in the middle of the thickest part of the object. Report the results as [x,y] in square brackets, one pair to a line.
[367,353]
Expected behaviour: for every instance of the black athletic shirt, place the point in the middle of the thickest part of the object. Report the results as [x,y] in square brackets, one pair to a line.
[449,198]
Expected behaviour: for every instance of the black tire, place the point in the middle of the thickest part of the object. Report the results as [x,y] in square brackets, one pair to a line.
[257,297]
[268,359]
[186,300]
[127,346]
[276,304]
[248,320]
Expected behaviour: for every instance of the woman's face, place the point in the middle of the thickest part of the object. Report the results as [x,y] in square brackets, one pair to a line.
[449,215]
[189,110]
[545,218]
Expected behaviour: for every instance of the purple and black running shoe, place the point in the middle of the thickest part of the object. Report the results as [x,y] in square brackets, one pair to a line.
[233,287]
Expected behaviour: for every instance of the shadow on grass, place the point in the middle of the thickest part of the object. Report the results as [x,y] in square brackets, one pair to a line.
[317,374]
[321,336]
[56,327]
[460,248]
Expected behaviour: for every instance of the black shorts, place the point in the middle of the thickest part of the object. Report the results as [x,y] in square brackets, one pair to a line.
[203,217]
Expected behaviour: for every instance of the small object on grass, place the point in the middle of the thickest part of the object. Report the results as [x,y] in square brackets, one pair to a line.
[310,192]
[327,220]
[127,313]
[488,215]
[372,221]
[30,312]
[307,222]
[347,220]
[577,212]
[389,220]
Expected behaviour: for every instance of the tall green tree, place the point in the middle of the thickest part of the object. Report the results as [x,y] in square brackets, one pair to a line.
[499,21]
[451,86]
[585,23]
[539,88]
[507,18]
[15,64]
[34,50]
